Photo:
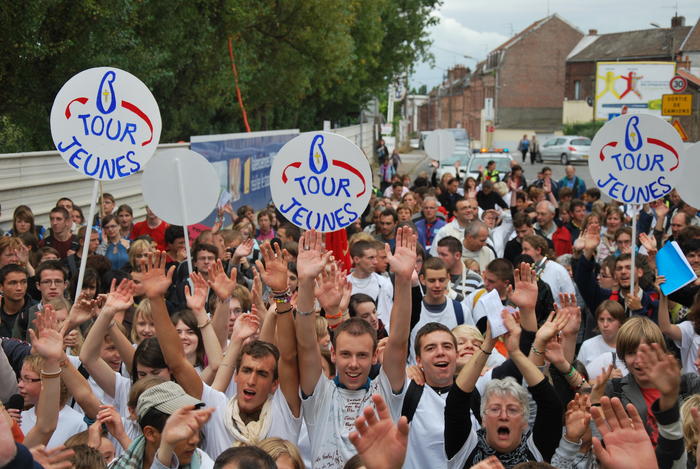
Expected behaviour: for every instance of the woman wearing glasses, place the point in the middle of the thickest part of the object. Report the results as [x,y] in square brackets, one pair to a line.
[114,247]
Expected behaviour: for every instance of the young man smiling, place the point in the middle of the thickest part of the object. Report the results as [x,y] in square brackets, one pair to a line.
[331,406]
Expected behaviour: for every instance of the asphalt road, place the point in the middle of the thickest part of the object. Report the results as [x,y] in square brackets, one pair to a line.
[416,162]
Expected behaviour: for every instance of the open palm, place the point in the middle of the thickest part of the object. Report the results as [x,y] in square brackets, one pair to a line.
[311,259]
[155,281]
[403,260]
[274,270]
[379,442]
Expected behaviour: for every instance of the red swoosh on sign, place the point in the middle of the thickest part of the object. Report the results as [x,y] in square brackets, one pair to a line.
[611,144]
[133,108]
[284,171]
[662,144]
[80,100]
[344,165]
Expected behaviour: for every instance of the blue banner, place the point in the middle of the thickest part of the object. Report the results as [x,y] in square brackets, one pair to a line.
[243,162]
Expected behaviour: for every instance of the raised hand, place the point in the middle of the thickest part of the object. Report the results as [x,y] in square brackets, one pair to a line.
[554,353]
[274,270]
[627,445]
[197,301]
[46,341]
[551,327]
[222,284]
[312,258]
[512,338]
[54,458]
[330,289]
[154,280]
[247,325]
[572,311]
[662,370]
[591,238]
[110,418]
[525,294]
[403,260]
[649,243]
[577,417]
[413,372]
[184,423]
[244,249]
[82,310]
[380,443]
[121,297]
[598,386]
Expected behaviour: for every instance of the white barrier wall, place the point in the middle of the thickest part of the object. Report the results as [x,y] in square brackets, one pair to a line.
[38,179]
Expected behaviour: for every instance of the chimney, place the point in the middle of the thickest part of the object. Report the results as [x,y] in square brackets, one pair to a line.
[677,21]
[592,32]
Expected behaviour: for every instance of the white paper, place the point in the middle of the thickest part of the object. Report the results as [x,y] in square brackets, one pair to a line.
[224,198]
[492,303]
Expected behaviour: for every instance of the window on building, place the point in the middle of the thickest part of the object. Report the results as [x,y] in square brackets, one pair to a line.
[577,89]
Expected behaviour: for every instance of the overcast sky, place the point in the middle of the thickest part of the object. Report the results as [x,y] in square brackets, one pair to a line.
[474,27]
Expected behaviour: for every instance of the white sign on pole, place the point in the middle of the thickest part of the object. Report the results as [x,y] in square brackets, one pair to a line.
[105,123]
[321,181]
[635,158]
[180,204]
[440,144]
[687,179]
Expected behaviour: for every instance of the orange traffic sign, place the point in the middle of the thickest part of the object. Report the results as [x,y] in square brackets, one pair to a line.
[676,104]
[679,128]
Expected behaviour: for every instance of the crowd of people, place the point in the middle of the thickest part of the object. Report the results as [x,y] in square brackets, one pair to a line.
[485,323]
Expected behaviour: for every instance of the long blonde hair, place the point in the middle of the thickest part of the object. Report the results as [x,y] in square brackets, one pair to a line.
[690,431]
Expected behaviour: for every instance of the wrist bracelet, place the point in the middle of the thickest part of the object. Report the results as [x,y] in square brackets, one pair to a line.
[335,316]
[55,374]
[281,299]
[484,351]
[572,371]
[537,352]
[304,313]
[283,312]
[206,323]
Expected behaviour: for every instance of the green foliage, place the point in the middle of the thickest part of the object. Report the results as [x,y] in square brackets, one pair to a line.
[585,129]
[299,61]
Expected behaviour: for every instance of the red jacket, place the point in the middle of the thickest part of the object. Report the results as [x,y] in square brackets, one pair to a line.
[562,241]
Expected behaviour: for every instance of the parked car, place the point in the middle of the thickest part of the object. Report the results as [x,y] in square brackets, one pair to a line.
[566,149]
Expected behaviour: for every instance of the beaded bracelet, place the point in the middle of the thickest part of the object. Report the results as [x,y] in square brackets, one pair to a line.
[537,352]
[206,323]
[55,374]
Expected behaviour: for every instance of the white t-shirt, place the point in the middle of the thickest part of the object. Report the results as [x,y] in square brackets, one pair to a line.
[689,343]
[122,388]
[426,438]
[217,438]
[380,290]
[596,367]
[330,415]
[70,422]
[557,277]
[99,393]
[592,349]
[445,317]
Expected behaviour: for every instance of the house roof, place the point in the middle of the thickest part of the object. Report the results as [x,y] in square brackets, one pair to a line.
[689,76]
[641,44]
[692,40]
[530,28]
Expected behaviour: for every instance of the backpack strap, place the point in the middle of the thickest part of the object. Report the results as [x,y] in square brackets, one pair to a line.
[477,295]
[411,400]
[459,312]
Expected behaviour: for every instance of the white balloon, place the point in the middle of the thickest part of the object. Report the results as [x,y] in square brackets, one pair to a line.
[440,144]
[687,180]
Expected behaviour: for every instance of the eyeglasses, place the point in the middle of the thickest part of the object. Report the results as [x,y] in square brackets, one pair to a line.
[29,380]
[56,283]
[511,411]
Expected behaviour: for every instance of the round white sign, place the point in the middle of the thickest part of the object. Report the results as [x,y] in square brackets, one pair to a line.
[440,144]
[635,158]
[180,186]
[105,123]
[321,181]
[687,179]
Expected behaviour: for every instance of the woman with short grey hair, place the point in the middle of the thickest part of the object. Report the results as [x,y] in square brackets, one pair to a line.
[504,410]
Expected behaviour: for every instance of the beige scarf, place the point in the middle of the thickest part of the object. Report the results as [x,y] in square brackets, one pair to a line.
[251,433]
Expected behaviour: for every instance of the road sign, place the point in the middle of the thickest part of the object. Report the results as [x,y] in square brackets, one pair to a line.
[678,84]
[681,131]
[677,105]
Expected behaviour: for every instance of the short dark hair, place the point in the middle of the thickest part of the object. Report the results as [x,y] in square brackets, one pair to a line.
[358,249]
[690,245]
[429,328]
[148,353]
[10,269]
[356,299]
[153,418]
[433,263]
[173,232]
[501,268]
[521,219]
[205,247]
[51,265]
[593,192]
[356,327]
[451,243]
[396,184]
[576,203]
[125,208]
[60,210]
[390,212]
[291,230]
[260,349]
[107,196]
[245,457]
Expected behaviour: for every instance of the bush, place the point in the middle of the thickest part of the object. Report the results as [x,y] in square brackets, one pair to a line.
[585,129]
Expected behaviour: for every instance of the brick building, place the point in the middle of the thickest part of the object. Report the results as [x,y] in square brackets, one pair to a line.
[518,88]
